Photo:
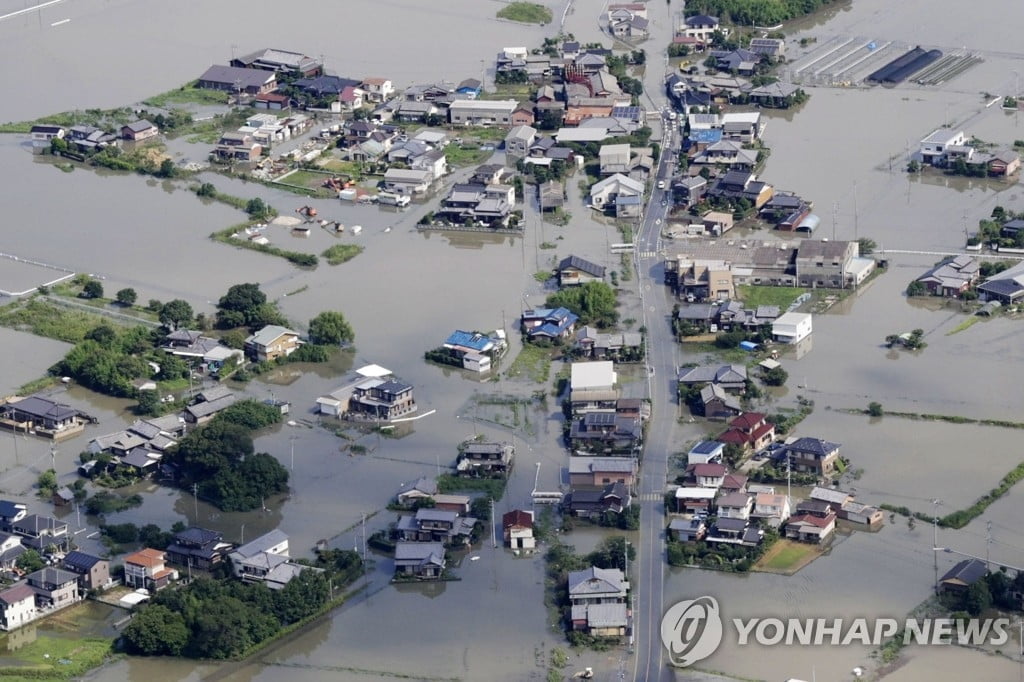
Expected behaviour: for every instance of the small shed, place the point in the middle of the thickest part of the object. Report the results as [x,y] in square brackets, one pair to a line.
[989,309]
[749,346]
[769,364]
[133,599]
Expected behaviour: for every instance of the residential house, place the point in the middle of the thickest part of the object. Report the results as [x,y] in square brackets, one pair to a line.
[615,158]
[833,496]
[147,569]
[280,61]
[44,132]
[603,433]
[551,195]
[575,270]
[407,181]
[739,61]
[962,576]
[456,503]
[139,130]
[808,528]
[517,529]
[272,101]
[55,588]
[238,80]
[822,263]
[87,138]
[726,153]
[716,403]
[751,431]
[602,471]
[1006,287]
[42,416]
[198,548]
[17,606]
[705,451]
[617,346]
[435,525]
[237,147]
[378,89]
[208,403]
[523,116]
[952,277]
[592,502]
[10,549]
[708,474]
[694,500]
[737,505]
[792,328]
[10,512]
[548,323]
[476,350]
[41,532]
[778,95]
[812,455]
[272,342]
[423,560]
[597,599]
[92,571]
[482,112]
[687,528]
[382,399]
[701,27]
[485,460]
[732,377]
[420,489]
[434,161]
[734,531]
[743,126]
[934,149]
[469,88]
[734,483]
[772,508]
[255,559]
[736,184]
[773,48]
[634,27]
[620,192]
[1004,162]
[519,140]
[592,375]
[325,87]
[866,515]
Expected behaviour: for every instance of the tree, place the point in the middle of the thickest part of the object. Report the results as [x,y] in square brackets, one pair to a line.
[594,302]
[978,598]
[875,409]
[330,328]
[47,482]
[127,297]
[251,414]
[916,288]
[206,190]
[121,533]
[148,403]
[257,208]
[176,313]
[776,376]
[92,289]
[240,305]
[234,338]
[867,246]
[151,535]
[30,561]
[102,334]
[156,631]
[167,169]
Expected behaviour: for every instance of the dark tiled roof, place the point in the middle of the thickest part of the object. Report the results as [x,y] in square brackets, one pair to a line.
[80,560]
[968,571]
[582,264]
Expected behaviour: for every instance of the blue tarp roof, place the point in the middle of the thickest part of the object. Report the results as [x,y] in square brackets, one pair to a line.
[709,136]
[748,345]
[477,342]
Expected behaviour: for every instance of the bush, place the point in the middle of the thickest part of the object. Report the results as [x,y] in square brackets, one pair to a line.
[875,409]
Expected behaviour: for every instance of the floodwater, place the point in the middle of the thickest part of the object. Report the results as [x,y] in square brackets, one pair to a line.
[409,289]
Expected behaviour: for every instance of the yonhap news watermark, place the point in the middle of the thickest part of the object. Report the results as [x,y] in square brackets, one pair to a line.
[692,630]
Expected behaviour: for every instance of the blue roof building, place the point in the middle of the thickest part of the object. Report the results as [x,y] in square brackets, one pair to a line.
[708,136]
[474,341]
[549,323]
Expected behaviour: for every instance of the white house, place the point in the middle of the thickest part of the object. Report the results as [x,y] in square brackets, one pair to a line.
[254,560]
[934,147]
[735,506]
[771,507]
[482,112]
[701,27]
[606,192]
[614,158]
[597,376]
[17,606]
[791,327]
[706,451]
[403,181]
[519,140]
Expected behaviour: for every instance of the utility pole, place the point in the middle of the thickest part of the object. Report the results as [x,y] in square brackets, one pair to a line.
[789,478]
[53,458]
[195,500]
[988,540]
[292,439]
[364,536]
[494,537]
[935,539]
[835,218]
[241,540]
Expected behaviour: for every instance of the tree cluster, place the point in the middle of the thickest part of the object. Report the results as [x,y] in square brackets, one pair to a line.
[244,305]
[594,302]
[755,12]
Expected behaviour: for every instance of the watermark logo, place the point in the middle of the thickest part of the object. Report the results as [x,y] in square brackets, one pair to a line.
[691,630]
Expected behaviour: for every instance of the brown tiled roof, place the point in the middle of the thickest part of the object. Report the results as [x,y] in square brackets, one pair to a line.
[146,557]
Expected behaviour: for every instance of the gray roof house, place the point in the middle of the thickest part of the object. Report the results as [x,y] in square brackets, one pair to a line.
[235,79]
[519,140]
[728,377]
[575,270]
[419,559]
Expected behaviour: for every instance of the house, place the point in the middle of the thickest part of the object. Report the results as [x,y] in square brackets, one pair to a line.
[55,588]
[590,502]
[732,377]
[272,342]
[523,116]
[705,451]
[280,61]
[41,416]
[146,569]
[811,455]
[198,548]
[701,27]
[727,153]
[238,80]
[855,512]
[774,509]
[455,503]
[382,399]
[10,512]
[482,112]
[738,61]
[519,140]
[750,431]
[238,147]
[44,132]
[952,277]
[208,403]
[735,531]
[634,27]
[1006,287]
[434,161]
[17,606]
[716,403]
[687,529]
[602,471]
[255,559]
[745,126]
[272,101]
[424,560]
[823,263]
[548,323]
[734,483]
[779,95]
[139,130]
[808,528]
[41,532]
[324,87]
[435,525]
[962,576]
[832,496]
[10,549]
[603,433]
[694,500]
[792,328]
[551,195]
[476,350]
[615,158]
[517,529]
[486,460]
[62,497]
[469,88]
[575,270]
[93,572]
[1004,162]
[617,347]
[615,191]
[408,182]
[737,505]
[772,48]
[592,376]
[377,89]
[708,474]
[420,489]
[598,602]
[934,148]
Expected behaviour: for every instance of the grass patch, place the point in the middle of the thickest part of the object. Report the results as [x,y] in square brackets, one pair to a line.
[493,487]
[526,13]
[973,319]
[787,557]
[349,168]
[459,155]
[341,253]
[533,362]
[305,178]
[55,658]
[42,318]
[37,385]
[542,276]
[187,94]
[99,118]
[753,296]
[226,236]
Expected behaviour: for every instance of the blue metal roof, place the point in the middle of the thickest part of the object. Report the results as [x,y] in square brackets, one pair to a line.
[477,342]
[709,136]
[707,447]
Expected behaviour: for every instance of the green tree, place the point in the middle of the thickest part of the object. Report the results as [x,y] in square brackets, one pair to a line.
[176,313]
[206,190]
[611,553]
[47,482]
[916,288]
[257,208]
[240,306]
[234,338]
[127,297]
[978,598]
[167,169]
[875,409]
[102,334]
[594,302]
[148,403]
[867,246]
[151,535]
[776,376]
[121,533]
[92,289]
[30,561]
[250,414]
[156,631]
[330,328]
